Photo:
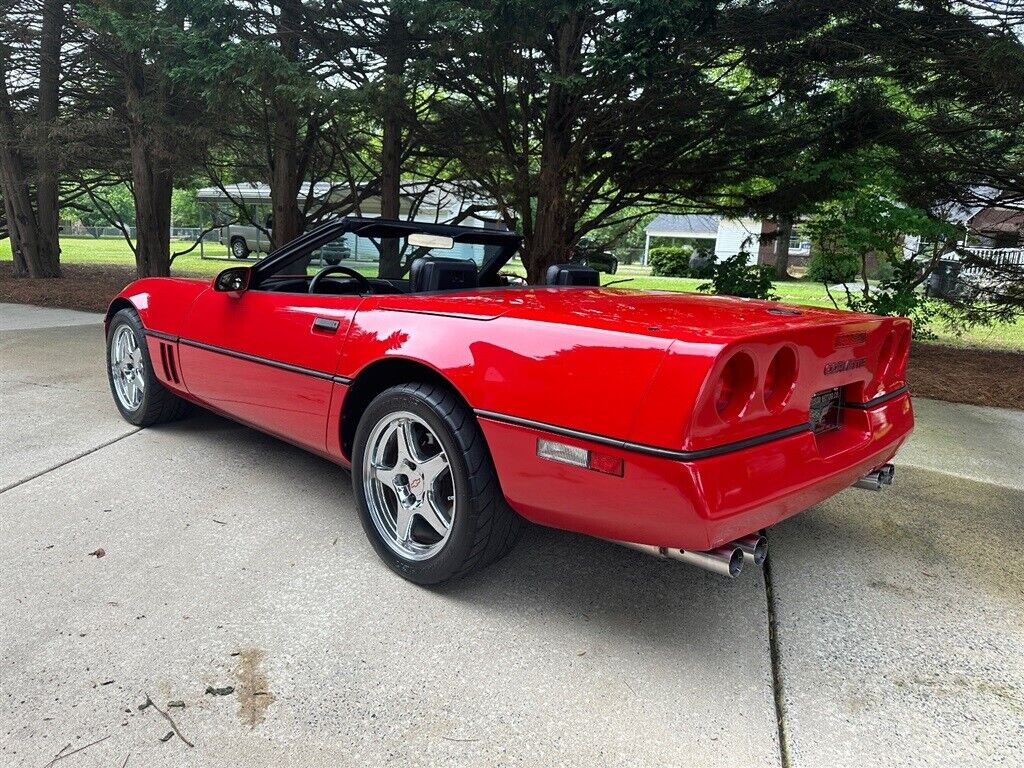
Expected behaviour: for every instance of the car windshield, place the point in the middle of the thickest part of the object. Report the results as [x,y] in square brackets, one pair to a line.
[386,251]
[388,257]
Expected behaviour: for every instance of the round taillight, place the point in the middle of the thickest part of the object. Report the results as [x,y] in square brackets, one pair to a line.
[899,357]
[724,389]
[884,358]
[779,379]
[735,385]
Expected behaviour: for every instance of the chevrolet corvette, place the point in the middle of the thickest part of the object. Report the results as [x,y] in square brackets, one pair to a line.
[465,401]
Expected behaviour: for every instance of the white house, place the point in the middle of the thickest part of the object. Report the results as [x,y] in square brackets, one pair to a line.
[724,237]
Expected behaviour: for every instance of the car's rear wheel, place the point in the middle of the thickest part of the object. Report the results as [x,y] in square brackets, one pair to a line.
[426,488]
[239,248]
[139,395]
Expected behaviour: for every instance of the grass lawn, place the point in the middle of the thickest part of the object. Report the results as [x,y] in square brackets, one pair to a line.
[88,250]
[116,252]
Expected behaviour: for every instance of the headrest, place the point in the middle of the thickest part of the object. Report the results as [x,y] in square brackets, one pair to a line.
[437,273]
[571,274]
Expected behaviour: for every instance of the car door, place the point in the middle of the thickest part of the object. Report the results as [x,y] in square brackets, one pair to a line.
[267,358]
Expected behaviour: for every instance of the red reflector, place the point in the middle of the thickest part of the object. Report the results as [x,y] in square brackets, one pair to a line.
[602,462]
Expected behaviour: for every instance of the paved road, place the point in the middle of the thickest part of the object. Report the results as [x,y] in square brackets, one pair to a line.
[235,560]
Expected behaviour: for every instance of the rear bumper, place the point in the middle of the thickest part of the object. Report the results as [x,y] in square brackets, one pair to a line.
[694,504]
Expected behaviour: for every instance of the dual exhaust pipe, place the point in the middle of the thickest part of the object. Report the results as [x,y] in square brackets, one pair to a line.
[726,560]
[875,481]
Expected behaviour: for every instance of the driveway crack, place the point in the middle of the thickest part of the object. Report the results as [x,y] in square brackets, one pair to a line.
[76,457]
[773,649]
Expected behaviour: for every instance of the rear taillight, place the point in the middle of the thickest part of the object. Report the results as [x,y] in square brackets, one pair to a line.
[892,357]
[885,355]
[779,379]
[735,386]
[899,358]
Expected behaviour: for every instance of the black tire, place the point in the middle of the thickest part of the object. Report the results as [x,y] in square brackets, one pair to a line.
[485,528]
[240,248]
[332,261]
[158,404]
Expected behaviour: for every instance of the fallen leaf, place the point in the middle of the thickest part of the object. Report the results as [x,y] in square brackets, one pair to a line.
[227,690]
[169,735]
[98,553]
[179,704]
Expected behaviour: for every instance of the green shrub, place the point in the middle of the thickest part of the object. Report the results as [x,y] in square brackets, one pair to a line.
[899,296]
[670,261]
[737,277]
[829,267]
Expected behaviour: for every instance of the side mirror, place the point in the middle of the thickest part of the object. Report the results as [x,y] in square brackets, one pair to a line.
[233,280]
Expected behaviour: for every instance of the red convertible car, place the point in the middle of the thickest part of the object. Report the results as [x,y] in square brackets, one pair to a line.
[465,401]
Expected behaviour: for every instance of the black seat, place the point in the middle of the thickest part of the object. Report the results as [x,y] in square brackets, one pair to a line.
[571,274]
[437,273]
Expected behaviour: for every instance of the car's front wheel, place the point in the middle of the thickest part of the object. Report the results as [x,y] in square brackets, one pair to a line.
[426,488]
[139,395]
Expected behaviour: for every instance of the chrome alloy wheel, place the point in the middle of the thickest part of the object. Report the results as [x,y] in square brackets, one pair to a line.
[127,369]
[409,486]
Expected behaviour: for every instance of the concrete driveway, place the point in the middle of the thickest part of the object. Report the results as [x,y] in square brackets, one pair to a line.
[886,632]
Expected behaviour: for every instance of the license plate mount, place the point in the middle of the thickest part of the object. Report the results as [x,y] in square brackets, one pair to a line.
[826,409]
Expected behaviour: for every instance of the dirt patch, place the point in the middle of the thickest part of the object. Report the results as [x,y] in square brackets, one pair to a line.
[967,375]
[253,689]
[87,287]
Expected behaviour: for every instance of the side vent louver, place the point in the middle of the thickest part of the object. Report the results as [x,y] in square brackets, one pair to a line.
[167,360]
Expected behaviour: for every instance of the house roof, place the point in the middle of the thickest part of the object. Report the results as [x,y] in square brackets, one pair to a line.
[997,221]
[668,224]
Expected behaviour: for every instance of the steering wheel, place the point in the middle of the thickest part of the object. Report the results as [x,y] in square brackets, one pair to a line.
[364,284]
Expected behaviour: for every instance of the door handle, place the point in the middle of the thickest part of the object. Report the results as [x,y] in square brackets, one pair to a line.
[326,325]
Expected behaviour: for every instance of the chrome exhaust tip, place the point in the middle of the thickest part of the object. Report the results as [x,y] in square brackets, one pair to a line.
[726,560]
[870,482]
[873,481]
[754,547]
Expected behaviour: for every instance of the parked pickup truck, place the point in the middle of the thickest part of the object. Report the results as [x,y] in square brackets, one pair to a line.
[243,240]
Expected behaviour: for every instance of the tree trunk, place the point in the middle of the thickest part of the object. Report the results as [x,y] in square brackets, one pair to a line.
[21,218]
[782,236]
[153,182]
[391,143]
[47,189]
[554,222]
[284,177]
[21,222]
[152,176]
[552,233]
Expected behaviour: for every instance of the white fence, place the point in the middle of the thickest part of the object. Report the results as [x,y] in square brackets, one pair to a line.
[997,257]
[177,233]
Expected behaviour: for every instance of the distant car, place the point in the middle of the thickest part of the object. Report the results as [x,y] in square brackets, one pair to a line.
[334,252]
[590,256]
[678,424]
